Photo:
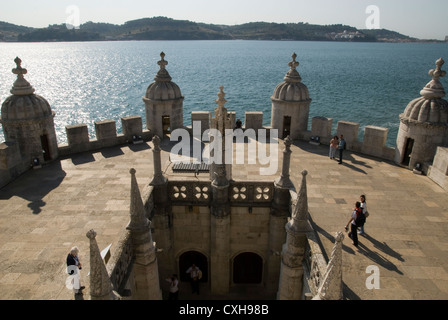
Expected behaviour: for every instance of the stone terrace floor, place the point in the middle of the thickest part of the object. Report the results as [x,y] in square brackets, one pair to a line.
[47,211]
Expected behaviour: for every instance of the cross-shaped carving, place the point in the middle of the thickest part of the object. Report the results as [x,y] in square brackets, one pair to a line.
[19,70]
[438,73]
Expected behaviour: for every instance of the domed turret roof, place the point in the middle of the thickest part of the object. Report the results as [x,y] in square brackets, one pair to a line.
[430,107]
[292,89]
[163,88]
[24,104]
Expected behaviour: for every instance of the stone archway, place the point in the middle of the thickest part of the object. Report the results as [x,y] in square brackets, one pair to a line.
[187,259]
[247,268]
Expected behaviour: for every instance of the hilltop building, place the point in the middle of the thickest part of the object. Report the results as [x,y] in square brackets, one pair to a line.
[241,233]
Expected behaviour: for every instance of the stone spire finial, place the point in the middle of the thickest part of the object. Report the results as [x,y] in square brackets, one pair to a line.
[434,89]
[330,287]
[158,178]
[137,211]
[156,142]
[100,284]
[293,75]
[284,181]
[162,74]
[221,101]
[21,87]
[299,217]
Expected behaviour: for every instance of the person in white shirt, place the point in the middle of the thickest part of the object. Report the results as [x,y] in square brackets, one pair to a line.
[195,276]
[174,287]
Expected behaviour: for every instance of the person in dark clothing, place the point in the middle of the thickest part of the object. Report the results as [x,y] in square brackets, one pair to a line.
[353,234]
[73,267]
[341,147]
[239,124]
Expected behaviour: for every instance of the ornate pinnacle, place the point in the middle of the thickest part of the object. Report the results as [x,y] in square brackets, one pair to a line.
[434,89]
[162,63]
[221,101]
[19,70]
[287,143]
[162,74]
[293,64]
[156,142]
[438,73]
[21,87]
[293,75]
[91,234]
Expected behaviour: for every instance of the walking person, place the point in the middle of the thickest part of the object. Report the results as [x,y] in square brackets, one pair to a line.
[174,287]
[333,146]
[341,147]
[362,199]
[353,233]
[195,276]
[73,267]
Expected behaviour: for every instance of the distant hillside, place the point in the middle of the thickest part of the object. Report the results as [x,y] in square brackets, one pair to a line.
[10,32]
[162,28]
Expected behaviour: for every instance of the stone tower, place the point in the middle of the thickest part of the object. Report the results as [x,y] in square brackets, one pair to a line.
[424,124]
[290,104]
[163,103]
[27,120]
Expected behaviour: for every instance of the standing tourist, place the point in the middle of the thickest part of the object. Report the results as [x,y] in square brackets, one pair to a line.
[353,233]
[341,147]
[333,146]
[195,276]
[174,287]
[362,199]
[73,267]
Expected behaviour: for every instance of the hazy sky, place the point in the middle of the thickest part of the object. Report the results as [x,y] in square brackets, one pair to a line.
[422,19]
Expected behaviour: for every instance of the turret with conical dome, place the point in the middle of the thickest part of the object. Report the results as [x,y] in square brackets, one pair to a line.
[163,103]
[27,120]
[424,123]
[291,104]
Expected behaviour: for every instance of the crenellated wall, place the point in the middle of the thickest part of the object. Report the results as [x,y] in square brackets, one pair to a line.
[106,135]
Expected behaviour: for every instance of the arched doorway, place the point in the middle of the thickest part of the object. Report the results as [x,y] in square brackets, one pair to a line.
[247,268]
[187,259]
[408,151]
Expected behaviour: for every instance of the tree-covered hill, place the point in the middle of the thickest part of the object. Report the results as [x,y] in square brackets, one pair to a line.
[162,28]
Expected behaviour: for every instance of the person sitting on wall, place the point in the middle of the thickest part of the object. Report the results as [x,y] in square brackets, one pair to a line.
[239,124]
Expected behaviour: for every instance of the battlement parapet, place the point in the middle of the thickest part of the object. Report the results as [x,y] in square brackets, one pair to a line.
[106,135]
[373,144]
[438,172]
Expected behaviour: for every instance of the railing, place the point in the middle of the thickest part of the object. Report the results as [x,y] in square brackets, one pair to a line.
[120,263]
[315,265]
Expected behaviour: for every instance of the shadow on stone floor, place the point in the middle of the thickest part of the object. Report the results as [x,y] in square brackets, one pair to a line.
[34,185]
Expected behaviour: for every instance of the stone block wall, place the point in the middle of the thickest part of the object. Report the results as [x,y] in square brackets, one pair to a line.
[253,120]
[373,144]
[191,226]
[203,117]
[106,135]
[106,132]
[321,127]
[132,126]
[439,169]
